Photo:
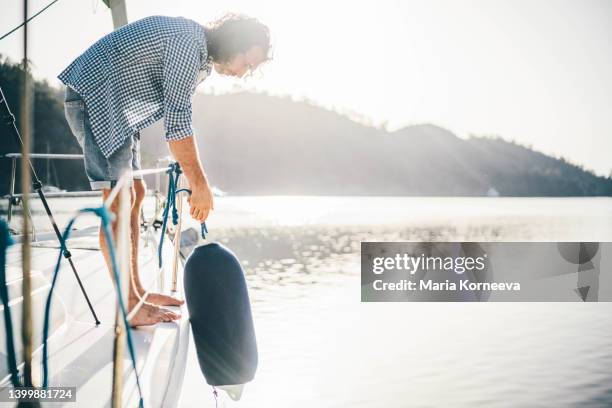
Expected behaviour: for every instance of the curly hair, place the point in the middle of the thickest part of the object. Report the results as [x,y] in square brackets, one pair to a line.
[233,34]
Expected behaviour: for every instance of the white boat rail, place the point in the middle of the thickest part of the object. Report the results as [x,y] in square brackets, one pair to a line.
[57,156]
[14,198]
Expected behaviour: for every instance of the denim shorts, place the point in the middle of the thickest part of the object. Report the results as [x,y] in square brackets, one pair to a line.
[102,172]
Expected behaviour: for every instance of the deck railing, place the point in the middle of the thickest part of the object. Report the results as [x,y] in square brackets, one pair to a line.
[13,197]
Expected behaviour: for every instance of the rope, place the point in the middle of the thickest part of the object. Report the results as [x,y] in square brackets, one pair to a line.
[28,20]
[203,229]
[5,241]
[105,217]
[174,171]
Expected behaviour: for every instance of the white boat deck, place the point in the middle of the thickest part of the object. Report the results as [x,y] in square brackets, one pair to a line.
[80,353]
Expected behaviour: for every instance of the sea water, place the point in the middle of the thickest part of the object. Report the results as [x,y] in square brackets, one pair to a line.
[319,346]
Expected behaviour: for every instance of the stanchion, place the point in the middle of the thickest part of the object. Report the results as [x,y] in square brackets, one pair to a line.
[177,236]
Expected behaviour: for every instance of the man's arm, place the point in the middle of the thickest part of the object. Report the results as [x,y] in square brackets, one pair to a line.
[180,70]
[186,154]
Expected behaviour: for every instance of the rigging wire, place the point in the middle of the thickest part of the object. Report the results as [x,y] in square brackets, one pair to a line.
[28,20]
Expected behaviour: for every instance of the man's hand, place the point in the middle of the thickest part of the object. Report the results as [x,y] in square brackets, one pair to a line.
[186,154]
[200,202]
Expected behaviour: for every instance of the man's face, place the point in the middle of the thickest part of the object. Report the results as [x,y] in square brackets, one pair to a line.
[242,63]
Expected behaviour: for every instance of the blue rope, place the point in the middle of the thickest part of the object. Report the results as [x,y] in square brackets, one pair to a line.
[174,171]
[203,229]
[105,217]
[5,241]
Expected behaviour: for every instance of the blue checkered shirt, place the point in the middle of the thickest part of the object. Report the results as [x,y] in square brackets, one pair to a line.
[138,74]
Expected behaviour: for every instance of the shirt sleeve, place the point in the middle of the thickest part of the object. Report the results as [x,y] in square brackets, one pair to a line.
[180,72]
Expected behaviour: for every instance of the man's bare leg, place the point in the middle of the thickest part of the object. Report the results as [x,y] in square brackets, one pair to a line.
[148,314]
[155,298]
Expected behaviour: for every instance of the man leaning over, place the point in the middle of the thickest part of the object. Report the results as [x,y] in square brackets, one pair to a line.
[129,79]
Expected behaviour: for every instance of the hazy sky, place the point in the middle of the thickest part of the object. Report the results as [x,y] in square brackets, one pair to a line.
[534,71]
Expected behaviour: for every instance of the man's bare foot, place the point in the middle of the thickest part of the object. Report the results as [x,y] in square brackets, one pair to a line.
[162,300]
[149,314]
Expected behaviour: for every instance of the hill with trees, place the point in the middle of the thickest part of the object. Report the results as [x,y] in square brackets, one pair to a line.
[256,144]
[259,144]
[50,133]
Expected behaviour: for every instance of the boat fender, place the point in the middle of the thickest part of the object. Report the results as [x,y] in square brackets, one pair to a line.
[220,315]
